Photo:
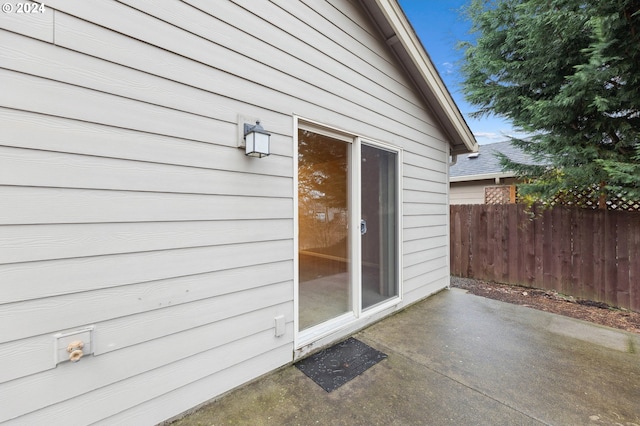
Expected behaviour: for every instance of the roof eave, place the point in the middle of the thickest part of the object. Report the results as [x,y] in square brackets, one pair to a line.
[403,41]
[484,176]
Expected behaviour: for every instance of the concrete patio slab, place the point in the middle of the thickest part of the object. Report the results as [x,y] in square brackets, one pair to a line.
[456,358]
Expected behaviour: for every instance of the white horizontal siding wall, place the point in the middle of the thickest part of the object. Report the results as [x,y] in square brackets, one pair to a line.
[468,192]
[472,191]
[125,204]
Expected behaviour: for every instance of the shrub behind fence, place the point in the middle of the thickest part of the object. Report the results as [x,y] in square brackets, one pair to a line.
[588,254]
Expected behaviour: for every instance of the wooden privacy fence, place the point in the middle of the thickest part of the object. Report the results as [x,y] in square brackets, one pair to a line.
[588,254]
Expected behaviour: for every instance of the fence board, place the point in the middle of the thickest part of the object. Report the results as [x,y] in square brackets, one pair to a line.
[491,262]
[478,237]
[512,265]
[549,252]
[622,268]
[609,260]
[587,274]
[634,264]
[564,229]
[539,245]
[465,259]
[588,254]
[528,245]
[598,257]
[456,246]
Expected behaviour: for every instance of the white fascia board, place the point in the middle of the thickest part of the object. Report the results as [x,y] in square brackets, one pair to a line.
[485,176]
[444,106]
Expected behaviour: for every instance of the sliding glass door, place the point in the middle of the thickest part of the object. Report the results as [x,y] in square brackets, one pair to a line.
[379,225]
[347,209]
[324,247]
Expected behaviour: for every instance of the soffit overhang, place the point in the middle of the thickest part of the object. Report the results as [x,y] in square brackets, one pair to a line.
[405,44]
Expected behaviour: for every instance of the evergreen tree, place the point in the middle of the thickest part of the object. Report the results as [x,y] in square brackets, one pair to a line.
[568,72]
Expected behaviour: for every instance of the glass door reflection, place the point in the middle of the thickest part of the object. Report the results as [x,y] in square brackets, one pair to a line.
[323,216]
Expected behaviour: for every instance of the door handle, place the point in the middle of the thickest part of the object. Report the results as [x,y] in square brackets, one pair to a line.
[363,227]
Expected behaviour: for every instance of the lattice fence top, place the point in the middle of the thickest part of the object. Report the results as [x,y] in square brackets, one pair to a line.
[622,204]
[590,199]
[503,194]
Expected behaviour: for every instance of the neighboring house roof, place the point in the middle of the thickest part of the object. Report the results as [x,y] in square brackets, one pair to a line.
[485,164]
[403,41]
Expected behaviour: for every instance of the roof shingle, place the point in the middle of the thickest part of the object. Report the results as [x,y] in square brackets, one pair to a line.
[487,162]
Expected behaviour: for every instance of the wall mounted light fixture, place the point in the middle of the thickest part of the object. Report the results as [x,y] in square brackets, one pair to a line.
[257,140]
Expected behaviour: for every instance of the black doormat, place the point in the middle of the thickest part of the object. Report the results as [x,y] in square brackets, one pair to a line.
[335,366]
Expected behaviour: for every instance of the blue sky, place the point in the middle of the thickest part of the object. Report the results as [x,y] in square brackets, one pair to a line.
[440,26]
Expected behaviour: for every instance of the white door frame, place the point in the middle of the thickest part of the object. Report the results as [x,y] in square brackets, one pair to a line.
[344,324]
